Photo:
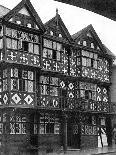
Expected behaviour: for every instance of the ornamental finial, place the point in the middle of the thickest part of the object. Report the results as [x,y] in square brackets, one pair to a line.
[56,11]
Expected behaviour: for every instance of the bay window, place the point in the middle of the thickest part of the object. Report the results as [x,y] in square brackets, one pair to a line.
[22,80]
[52,50]
[18,124]
[49,124]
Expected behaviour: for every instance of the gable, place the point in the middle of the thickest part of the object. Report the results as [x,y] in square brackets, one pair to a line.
[55,27]
[90,41]
[26,9]
[89,38]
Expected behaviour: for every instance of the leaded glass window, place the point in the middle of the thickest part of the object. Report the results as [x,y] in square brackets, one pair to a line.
[52,50]
[23,41]
[18,124]
[1,43]
[49,124]
[22,80]
[88,90]
[89,59]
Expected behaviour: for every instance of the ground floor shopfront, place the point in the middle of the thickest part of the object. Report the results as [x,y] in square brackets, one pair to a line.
[29,131]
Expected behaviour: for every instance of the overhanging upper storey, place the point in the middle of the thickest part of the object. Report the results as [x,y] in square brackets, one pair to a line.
[105,8]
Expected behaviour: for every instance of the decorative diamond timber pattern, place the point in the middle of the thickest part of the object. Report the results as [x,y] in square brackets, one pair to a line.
[5,98]
[15,99]
[28,99]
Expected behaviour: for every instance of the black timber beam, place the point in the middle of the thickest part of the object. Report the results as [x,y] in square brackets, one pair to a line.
[105,8]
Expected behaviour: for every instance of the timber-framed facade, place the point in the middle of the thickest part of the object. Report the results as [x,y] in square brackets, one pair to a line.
[54,87]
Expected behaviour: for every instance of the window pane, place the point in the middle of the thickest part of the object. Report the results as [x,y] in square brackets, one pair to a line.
[53,81]
[4,85]
[30,86]
[9,43]
[1,128]
[14,44]
[41,129]
[54,45]
[50,128]
[23,128]
[8,32]
[45,53]
[18,128]
[47,43]
[35,129]
[12,128]
[25,46]
[14,84]
[24,74]
[30,75]
[5,73]
[53,91]
[44,79]
[36,49]
[25,85]
[44,90]
[1,43]
[20,44]
[58,55]
[49,54]
[31,47]
[14,72]
[84,62]
[36,39]
[59,47]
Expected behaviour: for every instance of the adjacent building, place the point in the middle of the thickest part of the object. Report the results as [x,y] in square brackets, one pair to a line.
[54,87]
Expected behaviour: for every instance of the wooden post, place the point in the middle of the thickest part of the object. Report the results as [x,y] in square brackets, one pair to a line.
[65,133]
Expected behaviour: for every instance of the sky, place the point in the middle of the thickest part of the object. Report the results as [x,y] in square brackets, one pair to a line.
[74,18]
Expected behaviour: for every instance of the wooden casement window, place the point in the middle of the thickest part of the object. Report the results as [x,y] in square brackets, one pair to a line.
[49,124]
[94,120]
[16,41]
[5,80]
[88,94]
[22,80]
[49,87]
[1,43]
[87,62]
[18,124]
[25,46]
[88,90]
[89,59]
[52,50]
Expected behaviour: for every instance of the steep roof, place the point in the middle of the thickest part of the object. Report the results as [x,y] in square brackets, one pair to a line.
[7,14]
[90,28]
[3,11]
[109,52]
[61,25]
[79,33]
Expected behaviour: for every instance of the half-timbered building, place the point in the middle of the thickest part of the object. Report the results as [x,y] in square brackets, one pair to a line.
[54,87]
